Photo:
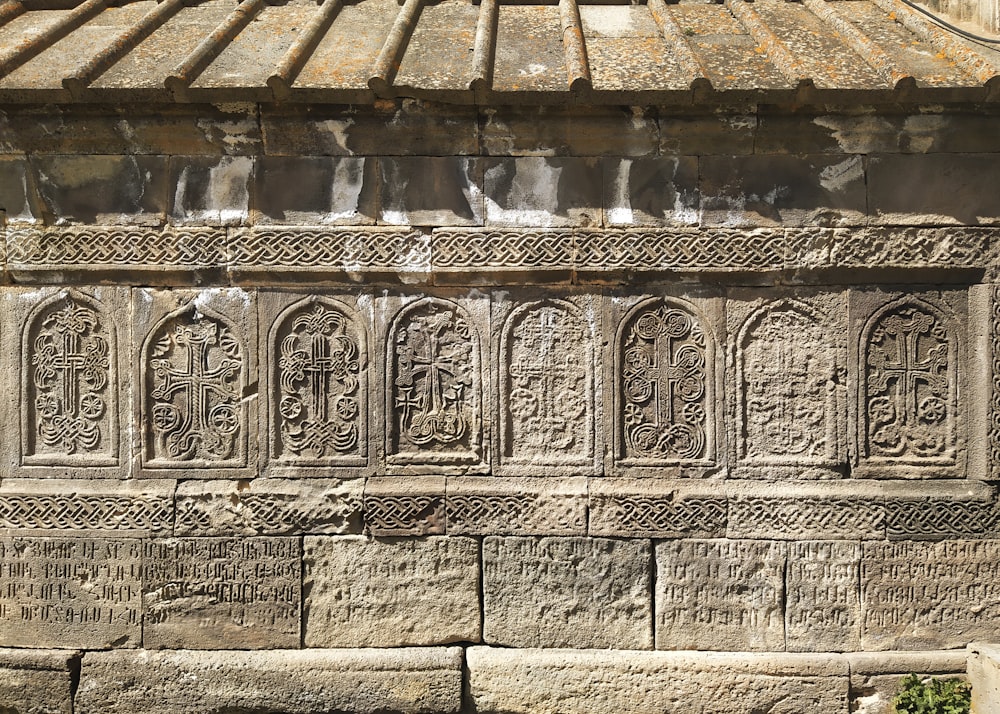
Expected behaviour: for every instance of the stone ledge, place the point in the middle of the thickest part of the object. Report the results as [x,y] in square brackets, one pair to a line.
[594,681]
[984,673]
[288,681]
[36,681]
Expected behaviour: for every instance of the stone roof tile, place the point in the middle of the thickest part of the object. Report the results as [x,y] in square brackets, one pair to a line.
[488,53]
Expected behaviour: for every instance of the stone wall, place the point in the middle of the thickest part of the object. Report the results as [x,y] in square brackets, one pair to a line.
[423,408]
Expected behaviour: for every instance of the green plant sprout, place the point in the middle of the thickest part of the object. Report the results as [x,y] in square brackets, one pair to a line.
[933,696]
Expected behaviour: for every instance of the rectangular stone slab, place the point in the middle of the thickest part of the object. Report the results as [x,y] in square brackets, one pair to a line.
[410,681]
[618,682]
[720,595]
[822,596]
[390,592]
[917,595]
[220,593]
[35,681]
[70,592]
[567,592]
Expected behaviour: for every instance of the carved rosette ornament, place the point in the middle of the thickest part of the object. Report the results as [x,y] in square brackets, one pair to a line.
[435,392]
[908,369]
[663,383]
[549,385]
[317,375]
[69,365]
[194,382]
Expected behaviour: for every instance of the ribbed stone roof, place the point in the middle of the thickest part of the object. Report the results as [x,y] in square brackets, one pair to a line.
[850,51]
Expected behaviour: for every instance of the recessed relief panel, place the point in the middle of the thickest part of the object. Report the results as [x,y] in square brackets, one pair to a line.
[665,397]
[434,386]
[318,386]
[547,386]
[69,384]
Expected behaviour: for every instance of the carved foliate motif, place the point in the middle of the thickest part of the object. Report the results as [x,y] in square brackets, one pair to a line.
[663,385]
[548,400]
[318,409]
[195,378]
[788,378]
[435,390]
[908,404]
[69,392]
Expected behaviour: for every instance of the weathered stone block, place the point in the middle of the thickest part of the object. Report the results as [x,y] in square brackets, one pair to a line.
[984,675]
[102,189]
[398,506]
[876,676]
[68,353]
[431,191]
[880,248]
[787,383]
[143,128]
[315,190]
[569,131]
[932,189]
[36,681]
[651,191]
[436,417]
[73,507]
[16,198]
[212,191]
[823,596]
[728,134]
[908,367]
[603,682]
[795,511]
[368,681]
[929,595]
[221,593]
[549,378]
[656,508]
[762,190]
[517,506]
[318,358]
[543,192]
[269,507]
[71,592]
[567,592]
[196,371]
[361,592]
[401,128]
[720,595]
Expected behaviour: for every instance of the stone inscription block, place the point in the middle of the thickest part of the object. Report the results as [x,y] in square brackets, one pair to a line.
[390,592]
[567,592]
[70,592]
[720,595]
[823,596]
[917,595]
[222,593]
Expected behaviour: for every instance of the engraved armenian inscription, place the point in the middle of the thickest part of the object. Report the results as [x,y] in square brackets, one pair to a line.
[435,390]
[194,379]
[549,385]
[70,592]
[788,400]
[909,385]
[320,395]
[663,385]
[211,593]
[69,385]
